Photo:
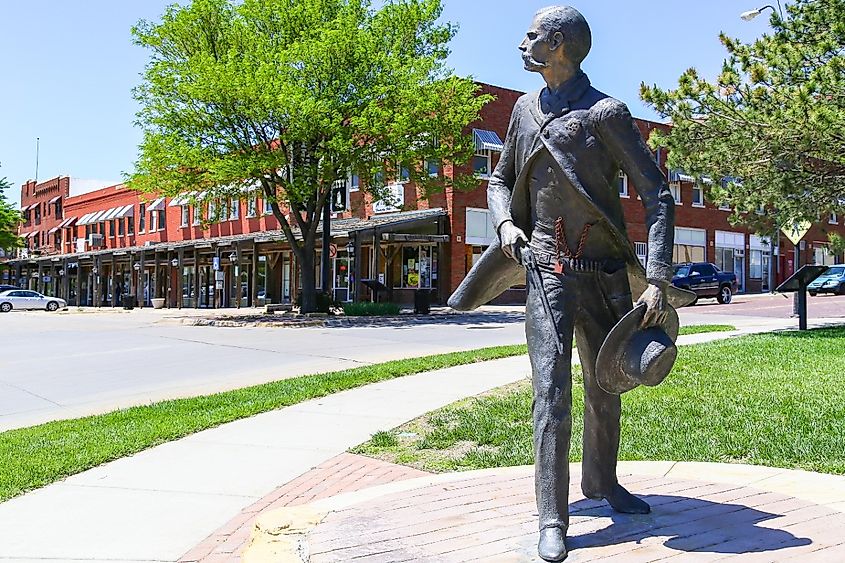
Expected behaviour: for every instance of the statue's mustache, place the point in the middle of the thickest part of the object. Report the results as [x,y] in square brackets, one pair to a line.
[533,62]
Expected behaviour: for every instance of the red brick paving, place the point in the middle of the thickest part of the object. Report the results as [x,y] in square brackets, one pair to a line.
[494,519]
[344,473]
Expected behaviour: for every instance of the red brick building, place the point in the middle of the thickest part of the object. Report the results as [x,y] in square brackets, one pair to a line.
[96,248]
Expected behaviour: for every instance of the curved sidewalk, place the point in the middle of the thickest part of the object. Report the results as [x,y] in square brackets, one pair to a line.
[700,512]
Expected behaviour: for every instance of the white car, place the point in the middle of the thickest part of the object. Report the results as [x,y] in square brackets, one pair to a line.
[26,299]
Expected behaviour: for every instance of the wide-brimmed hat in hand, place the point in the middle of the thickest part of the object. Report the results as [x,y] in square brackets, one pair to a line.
[632,355]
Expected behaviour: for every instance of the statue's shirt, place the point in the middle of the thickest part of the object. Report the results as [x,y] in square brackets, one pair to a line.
[553,197]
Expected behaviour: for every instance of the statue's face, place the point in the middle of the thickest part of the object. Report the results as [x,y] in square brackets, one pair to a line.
[537,48]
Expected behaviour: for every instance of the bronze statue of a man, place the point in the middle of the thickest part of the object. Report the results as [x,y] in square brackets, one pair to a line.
[554,196]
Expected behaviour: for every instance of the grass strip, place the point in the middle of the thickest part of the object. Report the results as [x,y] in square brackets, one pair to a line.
[37,456]
[698,329]
[773,399]
[40,455]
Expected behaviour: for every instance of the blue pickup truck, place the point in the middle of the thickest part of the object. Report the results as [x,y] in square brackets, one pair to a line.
[706,280]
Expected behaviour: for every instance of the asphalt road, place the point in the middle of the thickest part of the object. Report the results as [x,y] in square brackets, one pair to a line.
[73,364]
[776,306]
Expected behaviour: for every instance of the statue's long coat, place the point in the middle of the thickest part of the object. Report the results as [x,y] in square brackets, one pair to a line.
[590,139]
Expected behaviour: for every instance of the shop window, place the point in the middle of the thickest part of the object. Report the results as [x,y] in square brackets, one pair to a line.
[417,268]
[622,181]
[755,264]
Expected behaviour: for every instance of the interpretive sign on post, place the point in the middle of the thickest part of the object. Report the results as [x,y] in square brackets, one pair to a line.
[798,283]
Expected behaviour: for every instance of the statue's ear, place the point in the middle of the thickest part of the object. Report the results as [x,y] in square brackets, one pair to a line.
[556,40]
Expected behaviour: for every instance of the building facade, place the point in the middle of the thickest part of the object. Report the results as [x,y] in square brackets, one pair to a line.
[103,247]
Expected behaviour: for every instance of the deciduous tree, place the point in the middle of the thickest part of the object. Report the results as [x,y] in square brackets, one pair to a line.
[770,130]
[10,219]
[289,96]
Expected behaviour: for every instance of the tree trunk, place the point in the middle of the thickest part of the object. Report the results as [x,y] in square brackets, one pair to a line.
[309,278]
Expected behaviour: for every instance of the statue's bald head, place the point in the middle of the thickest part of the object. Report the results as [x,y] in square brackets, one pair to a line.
[577,38]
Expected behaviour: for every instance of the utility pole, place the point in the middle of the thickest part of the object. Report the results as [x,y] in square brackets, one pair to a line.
[37,151]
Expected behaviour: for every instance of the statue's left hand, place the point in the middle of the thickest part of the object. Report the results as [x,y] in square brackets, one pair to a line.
[656,304]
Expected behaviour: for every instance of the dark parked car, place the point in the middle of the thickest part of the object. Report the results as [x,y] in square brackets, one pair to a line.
[832,281]
[7,287]
[706,280]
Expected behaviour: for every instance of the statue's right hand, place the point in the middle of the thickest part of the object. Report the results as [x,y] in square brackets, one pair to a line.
[512,238]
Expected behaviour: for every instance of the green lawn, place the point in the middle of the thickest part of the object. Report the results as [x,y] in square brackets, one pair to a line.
[773,399]
[36,456]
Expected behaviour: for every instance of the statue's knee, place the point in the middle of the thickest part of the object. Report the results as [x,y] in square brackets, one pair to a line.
[552,410]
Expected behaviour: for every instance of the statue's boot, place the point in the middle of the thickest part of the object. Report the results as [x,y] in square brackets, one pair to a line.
[552,546]
[623,501]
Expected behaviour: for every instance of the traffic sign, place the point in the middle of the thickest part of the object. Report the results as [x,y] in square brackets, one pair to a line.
[796,231]
[332,250]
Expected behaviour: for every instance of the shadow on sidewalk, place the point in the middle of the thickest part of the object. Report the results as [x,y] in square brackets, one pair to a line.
[691,525]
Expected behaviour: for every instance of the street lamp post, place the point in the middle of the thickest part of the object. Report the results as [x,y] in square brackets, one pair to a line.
[751,14]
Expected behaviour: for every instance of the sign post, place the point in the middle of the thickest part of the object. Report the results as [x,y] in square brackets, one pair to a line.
[795,232]
[798,283]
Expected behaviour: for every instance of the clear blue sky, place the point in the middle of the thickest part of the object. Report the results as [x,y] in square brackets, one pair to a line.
[67,67]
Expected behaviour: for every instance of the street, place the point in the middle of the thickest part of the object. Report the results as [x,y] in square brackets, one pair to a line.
[72,364]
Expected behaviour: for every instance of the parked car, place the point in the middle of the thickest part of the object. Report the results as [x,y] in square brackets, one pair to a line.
[832,281]
[7,287]
[26,299]
[706,280]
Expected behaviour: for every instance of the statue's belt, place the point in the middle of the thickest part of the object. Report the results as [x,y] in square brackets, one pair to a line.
[578,264]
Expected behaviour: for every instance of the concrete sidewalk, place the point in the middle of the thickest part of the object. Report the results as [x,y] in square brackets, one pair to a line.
[158,504]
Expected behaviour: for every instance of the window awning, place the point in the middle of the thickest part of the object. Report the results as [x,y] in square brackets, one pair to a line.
[67,222]
[28,207]
[98,216]
[32,234]
[112,213]
[180,199]
[24,235]
[156,205]
[86,219]
[54,200]
[92,218]
[126,211]
[53,230]
[487,140]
